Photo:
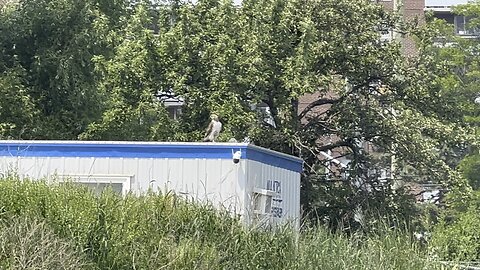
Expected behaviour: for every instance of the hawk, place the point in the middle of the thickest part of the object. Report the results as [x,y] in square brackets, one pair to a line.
[213,129]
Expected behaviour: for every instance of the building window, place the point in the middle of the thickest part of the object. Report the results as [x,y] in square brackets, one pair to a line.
[98,183]
[462,27]
[174,112]
[265,114]
[262,201]
[173,104]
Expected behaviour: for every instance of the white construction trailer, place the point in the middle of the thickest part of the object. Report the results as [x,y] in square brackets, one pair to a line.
[260,185]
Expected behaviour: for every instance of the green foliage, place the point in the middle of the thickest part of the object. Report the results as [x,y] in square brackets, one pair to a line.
[271,53]
[453,67]
[203,65]
[470,168]
[52,42]
[453,71]
[17,110]
[130,81]
[165,231]
[456,237]
[346,208]
[99,69]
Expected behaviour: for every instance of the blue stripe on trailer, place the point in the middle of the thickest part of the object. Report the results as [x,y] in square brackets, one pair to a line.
[148,150]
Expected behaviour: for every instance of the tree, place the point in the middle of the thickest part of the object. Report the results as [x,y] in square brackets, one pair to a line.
[130,81]
[202,48]
[17,110]
[470,167]
[270,53]
[454,72]
[53,42]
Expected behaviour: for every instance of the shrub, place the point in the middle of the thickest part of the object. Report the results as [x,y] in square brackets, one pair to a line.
[458,239]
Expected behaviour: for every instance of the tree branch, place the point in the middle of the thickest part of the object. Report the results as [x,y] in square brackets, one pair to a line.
[333,146]
[319,102]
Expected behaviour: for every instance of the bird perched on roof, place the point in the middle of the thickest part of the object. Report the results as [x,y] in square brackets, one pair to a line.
[213,129]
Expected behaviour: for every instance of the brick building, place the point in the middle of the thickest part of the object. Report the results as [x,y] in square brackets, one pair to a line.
[412,11]
[442,9]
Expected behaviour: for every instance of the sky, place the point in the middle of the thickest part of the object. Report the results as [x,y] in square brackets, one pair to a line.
[444,2]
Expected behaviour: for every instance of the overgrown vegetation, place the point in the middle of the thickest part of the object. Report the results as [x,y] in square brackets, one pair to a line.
[99,70]
[68,227]
[27,243]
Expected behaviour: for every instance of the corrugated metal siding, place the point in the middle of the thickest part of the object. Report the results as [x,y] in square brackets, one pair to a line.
[200,176]
[285,182]
[217,181]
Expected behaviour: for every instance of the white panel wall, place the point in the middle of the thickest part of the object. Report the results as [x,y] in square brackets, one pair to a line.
[286,183]
[218,181]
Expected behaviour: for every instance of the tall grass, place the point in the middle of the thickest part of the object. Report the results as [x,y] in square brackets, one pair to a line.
[26,243]
[166,232]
